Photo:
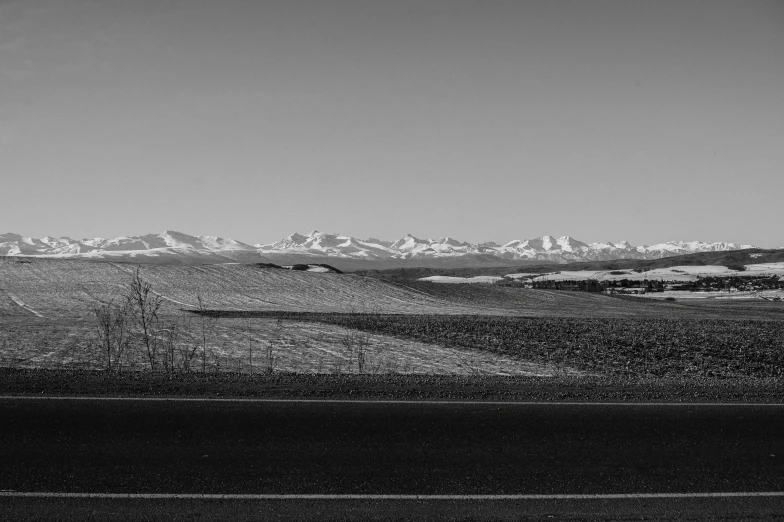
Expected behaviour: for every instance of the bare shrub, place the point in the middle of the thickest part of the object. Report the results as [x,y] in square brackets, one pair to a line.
[356,344]
[279,336]
[168,337]
[111,334]
[178,347]
[270,358]
[471,362]
[206,327]
[249,335]
[337,365]
[143,306]
[188,349]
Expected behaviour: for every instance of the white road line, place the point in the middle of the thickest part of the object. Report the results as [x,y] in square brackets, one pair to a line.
[384,401]
[206,496]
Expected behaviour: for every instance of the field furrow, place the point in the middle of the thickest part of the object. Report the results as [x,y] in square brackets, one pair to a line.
[47,306]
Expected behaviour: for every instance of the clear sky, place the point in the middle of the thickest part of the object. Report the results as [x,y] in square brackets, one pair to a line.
[480,120]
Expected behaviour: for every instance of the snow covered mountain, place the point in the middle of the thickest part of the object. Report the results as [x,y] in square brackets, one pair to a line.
[546,248]
[344,251]
[167,247]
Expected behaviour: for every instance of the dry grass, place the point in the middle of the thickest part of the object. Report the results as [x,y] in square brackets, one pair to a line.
[60,288]
[298,347]
[57,288]
[45,319]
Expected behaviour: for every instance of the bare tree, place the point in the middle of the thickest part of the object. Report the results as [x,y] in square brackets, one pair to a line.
[143,306]
[278,337]
[363,347]
[188,346]
[356,344]
[168,337]
[270,357]
[177,348]
[112,333]
[249,334]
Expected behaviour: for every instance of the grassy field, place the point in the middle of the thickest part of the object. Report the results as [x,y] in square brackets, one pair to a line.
[333,323]
[56,288]
[45,306]
[266,345]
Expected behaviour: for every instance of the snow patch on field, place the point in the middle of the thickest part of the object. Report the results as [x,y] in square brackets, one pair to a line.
[462,280]
[316,268]
[521,275]
[766,268]
[684,273]
[715,294]
[676,273]
[21,304]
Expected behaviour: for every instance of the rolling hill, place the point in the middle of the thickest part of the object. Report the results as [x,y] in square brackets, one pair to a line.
[49,289]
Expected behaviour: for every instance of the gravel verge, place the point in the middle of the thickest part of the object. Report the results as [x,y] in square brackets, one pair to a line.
[39,382]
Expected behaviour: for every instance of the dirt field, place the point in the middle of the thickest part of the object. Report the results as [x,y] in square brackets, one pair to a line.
[45,306]
[46,318]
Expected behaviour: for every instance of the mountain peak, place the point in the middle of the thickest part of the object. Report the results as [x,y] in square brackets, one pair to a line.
[172,245]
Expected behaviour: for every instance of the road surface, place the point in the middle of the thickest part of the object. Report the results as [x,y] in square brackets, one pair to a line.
[546,459]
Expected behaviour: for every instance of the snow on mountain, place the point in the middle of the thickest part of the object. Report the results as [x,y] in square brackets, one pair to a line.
[374,241]
[168,246]
[688,247]
[320,247]
[410,244]
[546,248]
[322,244]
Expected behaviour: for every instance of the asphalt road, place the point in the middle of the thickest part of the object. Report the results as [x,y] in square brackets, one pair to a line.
[410,449]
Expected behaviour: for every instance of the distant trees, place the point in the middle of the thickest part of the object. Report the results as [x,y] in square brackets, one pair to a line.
[594,285]
[587,285]
[745,283]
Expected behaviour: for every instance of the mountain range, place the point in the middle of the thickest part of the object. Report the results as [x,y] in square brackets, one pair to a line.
[345,252]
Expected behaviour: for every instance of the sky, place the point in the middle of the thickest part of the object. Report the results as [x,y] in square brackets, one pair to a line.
[479,120]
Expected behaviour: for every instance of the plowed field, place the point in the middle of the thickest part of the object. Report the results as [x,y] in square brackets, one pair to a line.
[46,321]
